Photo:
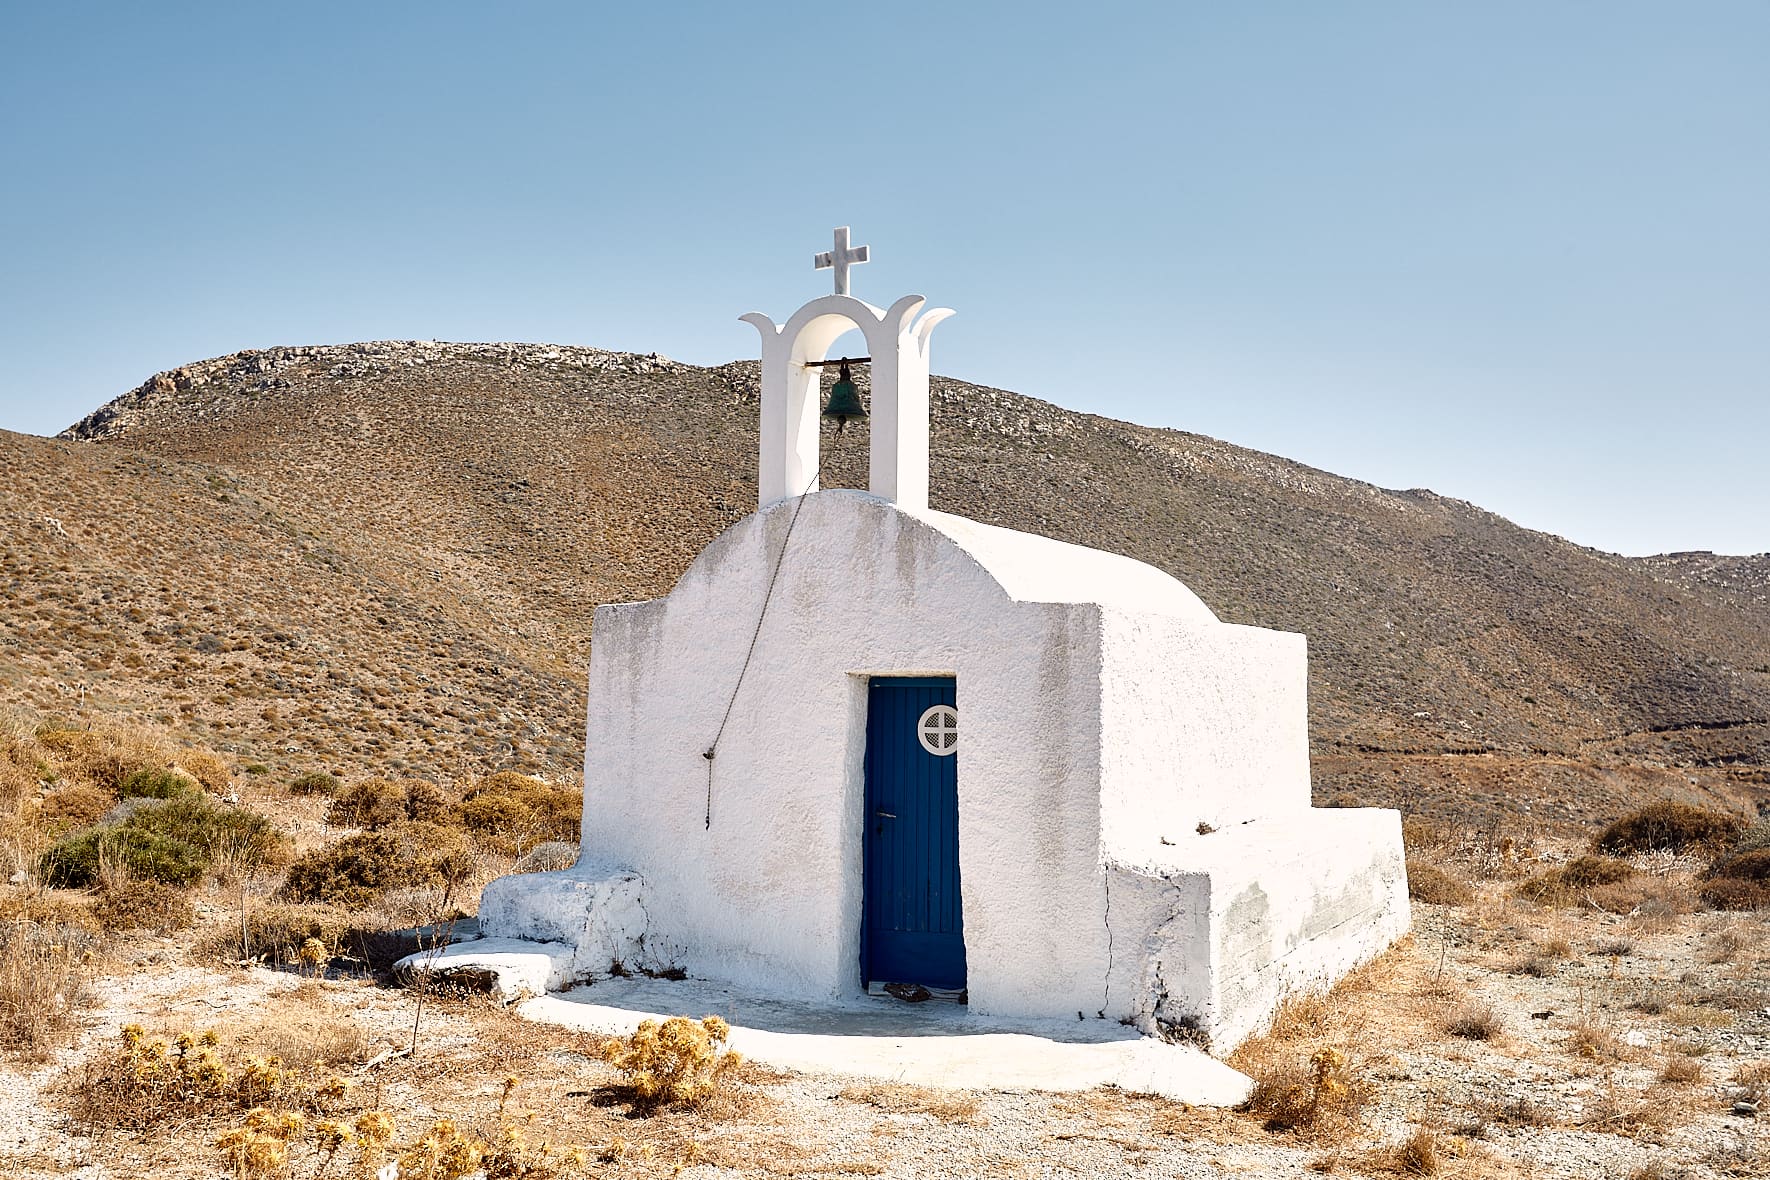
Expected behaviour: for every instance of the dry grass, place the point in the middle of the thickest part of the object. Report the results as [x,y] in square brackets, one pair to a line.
[1475,1021]
[1679,1069]
[1626,1112]
[304,1035]
[125,904]
[1305,1095]
[1434,886]
[1655,998]
[1575,883]
[1516,1112]
[1594,1039]
[1728,943]
[947,1106]
[45,962]
[1537,966]
[1420,1154]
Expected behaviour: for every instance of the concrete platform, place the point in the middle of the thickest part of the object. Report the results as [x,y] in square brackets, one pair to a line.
[933,1043]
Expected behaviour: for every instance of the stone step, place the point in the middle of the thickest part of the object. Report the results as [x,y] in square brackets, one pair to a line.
[509,969]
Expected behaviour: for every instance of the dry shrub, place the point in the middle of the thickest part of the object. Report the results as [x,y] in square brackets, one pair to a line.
[156,784]
[1753,838]
[1434,886]
[1595,1040]
[680,1062]
[263,1143]
[43,967]
[1537,966]
[1573,883]
[259,1148]
[1679,1069]
[1420,1154]
[175,841]
[1725,944]
[314,782]
[1475,1021]
[1298,1096]
[306,1037]
[1730,893]
[376,803]
[896,1098]
[1741,880]
[276,934]
[359,869]
[1422,835]
[512,813]
[105,756]
[1746,866]
[143,1083]
[74,806]
[208,769]
[550,857]
[124,903]
[1669,826]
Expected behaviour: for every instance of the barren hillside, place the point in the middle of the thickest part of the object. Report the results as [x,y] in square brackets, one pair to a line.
[371,552]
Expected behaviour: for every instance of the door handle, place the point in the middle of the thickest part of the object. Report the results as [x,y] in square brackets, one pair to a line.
[884,815]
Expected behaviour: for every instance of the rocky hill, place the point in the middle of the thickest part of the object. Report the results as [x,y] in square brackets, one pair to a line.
[387,554]
[1747,578]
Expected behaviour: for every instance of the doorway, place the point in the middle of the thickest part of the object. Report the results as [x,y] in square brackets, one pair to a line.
[912,929]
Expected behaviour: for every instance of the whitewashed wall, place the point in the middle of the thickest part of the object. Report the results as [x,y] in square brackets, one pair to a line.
[1092,690]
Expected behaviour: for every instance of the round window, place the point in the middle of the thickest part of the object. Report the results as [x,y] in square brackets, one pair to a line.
[938,730]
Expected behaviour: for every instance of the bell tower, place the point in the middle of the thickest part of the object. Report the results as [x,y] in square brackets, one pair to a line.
[897,341]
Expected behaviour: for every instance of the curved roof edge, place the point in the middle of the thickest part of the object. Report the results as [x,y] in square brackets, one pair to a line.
[1031,568]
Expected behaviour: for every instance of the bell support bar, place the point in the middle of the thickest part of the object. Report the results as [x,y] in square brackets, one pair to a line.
[841,360]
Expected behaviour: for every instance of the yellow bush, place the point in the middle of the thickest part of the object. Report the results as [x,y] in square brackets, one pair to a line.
[677,1063]
[1293,1099]
[207,768]
[512,813]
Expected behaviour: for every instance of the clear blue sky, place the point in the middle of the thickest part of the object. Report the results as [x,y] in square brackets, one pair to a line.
[1518,253]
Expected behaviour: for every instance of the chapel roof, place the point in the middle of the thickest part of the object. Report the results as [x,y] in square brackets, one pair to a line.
[1031,568]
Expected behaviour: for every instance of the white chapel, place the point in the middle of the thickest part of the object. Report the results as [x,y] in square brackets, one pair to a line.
[865,745]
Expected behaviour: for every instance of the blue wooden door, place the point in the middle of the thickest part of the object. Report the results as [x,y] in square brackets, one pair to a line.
[911,929]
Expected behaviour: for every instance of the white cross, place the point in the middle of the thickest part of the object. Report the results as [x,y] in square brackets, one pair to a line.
[841,258]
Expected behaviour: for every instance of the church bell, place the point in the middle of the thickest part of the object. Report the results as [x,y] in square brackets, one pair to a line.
[844,400]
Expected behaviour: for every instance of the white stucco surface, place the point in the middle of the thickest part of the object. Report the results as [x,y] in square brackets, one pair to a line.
[931,1044]
[1105,714]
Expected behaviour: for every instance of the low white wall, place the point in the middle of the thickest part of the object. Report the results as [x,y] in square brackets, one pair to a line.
[1241,918]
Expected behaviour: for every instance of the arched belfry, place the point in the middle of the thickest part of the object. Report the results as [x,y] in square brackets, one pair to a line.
[897,340]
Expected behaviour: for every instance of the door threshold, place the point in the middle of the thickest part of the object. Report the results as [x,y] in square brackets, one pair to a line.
[916,993]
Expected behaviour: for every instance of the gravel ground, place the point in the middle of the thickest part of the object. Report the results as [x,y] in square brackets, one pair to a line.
[1525,1102]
